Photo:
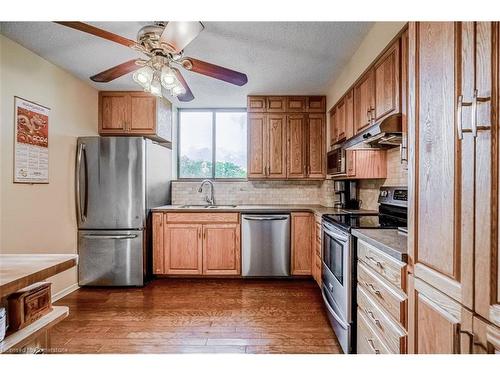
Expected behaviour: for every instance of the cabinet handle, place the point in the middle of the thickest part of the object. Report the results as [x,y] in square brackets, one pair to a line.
[374,261]
[375,290]
[375,320]
[372,345]
[402,154]
[475,100]
[204,234]
[199,233]
[368,117]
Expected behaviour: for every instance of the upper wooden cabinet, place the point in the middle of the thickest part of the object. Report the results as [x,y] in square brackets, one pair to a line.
[296,166]
[286,145]
[366,164]
[364,101]
[296,104]
[302,243]
[349,114]
[135,113]
[333,126]
[286,104]
[387,83]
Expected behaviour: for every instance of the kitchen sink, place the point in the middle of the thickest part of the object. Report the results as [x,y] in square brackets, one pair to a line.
[202,206]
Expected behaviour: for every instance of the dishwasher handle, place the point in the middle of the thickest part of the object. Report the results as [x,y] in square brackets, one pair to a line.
[266,218]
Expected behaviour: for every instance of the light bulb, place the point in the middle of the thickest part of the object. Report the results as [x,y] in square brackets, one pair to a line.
[143,76]
[168,78]
[155,88]
[178,90]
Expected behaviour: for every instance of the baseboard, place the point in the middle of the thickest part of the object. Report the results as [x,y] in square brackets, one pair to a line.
[64,292]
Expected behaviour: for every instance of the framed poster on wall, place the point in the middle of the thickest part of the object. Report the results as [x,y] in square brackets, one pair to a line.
[31,142]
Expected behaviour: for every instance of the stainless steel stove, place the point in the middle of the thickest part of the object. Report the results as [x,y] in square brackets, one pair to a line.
[339,258]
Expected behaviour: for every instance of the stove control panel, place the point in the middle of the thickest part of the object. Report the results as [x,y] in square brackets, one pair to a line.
[393,195]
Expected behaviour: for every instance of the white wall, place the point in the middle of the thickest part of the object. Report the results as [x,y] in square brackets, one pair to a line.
[41,218]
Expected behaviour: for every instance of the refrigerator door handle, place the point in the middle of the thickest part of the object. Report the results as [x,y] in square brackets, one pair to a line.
[82,217]
[111,237]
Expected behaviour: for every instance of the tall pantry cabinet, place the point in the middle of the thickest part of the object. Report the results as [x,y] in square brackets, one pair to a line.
[453,187]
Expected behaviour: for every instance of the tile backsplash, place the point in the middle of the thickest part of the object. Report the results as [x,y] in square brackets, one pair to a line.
[256,192]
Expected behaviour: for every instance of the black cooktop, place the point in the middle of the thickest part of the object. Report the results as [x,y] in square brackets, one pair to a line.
[364,221]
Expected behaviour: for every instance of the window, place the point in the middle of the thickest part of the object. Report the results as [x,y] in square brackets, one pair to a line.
[209,138]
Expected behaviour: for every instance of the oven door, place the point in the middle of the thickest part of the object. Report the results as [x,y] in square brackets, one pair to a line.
[335,161]
[337,272]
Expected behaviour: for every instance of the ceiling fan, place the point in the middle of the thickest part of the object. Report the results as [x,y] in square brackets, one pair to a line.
[163,43]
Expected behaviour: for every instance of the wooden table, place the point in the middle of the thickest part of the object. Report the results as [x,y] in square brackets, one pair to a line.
[20,270]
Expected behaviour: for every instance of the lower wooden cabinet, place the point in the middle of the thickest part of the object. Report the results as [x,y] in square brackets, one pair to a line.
[437,323]
[183,249]
[302,240]
[196,244]
[221,249]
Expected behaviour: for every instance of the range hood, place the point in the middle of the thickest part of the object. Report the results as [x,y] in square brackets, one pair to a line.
[387,133]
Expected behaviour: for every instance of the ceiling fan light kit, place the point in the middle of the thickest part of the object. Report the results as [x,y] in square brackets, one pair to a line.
[163,43]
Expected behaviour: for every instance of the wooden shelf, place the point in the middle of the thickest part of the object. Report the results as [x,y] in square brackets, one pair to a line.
[20,270]
[18,338]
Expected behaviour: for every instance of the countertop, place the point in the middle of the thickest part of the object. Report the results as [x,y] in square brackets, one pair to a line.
[20,270]
[275,208]
[390,241]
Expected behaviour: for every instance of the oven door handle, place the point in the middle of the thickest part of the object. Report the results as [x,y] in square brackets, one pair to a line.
[333,313]
[336,236]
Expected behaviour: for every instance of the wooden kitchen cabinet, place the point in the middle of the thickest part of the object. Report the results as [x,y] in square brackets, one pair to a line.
[183,249]
[221,249]
[135,113]
[296,165]
[364,101]
[257,145]
[302,240]
[387,83]
[437,323]
[315,142]
[316,104]
[286,145]
[256,104]
[366,164]
[349,114]
[192,243]
[333,126]
[340,121]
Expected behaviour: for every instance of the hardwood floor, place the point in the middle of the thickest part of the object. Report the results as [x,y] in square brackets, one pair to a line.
[197,316]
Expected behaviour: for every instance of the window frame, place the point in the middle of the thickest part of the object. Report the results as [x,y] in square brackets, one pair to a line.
[214,137]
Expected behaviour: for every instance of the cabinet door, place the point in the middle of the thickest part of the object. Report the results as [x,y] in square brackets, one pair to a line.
[366,164]
[333,126]
[183,249]
[316,104]
[221,249]
[142,113]
[114,112]
[486,292]
[316,145]
[257,145]
[435,249]
[296,165]
[437,323]
[364,101]
[387,83]
[296,104]
[276,104]
[349,114]
[340,120]
[158,244]
[256,104]
[276,146]
[302,233]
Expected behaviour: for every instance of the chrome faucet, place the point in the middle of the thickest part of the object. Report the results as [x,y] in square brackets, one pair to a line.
[210,200]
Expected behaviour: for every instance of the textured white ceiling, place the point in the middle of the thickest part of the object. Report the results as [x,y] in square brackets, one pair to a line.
[278,57]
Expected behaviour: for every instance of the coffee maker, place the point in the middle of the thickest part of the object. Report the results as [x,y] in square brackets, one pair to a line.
[346,194]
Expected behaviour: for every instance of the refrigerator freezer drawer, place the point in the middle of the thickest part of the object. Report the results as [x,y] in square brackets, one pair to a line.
[110,258]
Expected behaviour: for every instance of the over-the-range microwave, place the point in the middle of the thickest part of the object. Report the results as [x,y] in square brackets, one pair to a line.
[335,162]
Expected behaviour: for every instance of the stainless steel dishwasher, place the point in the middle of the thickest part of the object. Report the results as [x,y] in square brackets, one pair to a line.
[265,245]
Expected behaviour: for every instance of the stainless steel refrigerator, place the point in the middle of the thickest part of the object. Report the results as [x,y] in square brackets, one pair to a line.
[118,180]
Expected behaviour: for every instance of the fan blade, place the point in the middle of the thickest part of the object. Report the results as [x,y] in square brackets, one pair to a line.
[86,28]
[188,96]
[215,71]
[116,71]
[177,35]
